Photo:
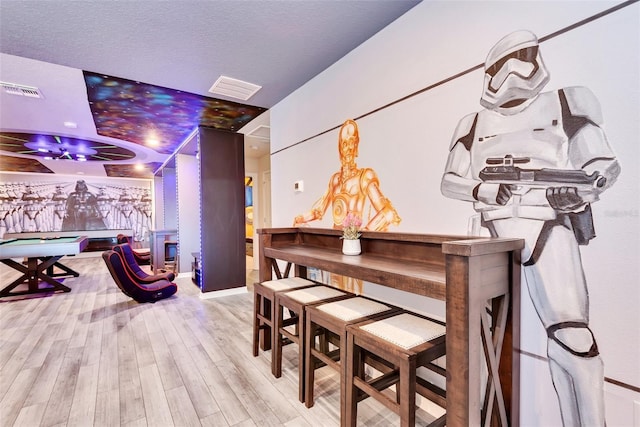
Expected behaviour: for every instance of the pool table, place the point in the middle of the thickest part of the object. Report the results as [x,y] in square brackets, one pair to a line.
[42,255]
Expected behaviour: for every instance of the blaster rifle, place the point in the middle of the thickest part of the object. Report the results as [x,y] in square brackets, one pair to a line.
[503,171]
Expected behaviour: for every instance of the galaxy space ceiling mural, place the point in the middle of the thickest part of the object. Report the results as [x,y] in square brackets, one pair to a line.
[139,112]
[156,117]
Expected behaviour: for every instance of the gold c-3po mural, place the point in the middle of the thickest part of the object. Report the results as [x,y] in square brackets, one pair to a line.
[350,188]
[349,191]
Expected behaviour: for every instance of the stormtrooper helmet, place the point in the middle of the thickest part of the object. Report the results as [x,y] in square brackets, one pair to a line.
[514,73]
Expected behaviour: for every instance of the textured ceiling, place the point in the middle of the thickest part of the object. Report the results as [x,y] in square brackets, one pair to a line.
[175,45]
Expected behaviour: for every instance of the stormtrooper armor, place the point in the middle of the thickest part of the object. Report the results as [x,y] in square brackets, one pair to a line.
[532,163]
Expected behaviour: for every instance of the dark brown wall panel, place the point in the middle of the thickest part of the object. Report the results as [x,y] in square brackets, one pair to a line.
[222,214]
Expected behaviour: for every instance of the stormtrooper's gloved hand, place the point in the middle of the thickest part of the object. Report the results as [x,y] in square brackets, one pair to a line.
[504,194]
[564,199]
[493,194]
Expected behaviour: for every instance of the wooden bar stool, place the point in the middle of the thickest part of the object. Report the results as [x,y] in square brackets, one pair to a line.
[264,307]
[328,323]
[407,341]
[296,302]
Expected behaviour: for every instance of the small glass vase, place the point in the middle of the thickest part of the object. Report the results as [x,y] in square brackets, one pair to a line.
[351,247]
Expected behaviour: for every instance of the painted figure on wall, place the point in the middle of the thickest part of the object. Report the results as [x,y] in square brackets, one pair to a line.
[45,206]
[532,163]
[14,191]
[352,190]
[59,200]
[7,208]
[105,204]
[125,206]
[32,208]
[145,203]
[144,207]
[82,210]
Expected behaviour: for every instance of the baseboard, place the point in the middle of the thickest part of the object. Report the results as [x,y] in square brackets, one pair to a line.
[224,293]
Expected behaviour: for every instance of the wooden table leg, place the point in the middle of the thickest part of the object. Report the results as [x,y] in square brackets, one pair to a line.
[33,275]
[471,332]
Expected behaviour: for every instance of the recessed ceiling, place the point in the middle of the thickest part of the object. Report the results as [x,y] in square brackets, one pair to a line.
[178,48]
[49,147]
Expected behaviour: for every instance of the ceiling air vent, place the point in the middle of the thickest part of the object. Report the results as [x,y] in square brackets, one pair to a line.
[262,132]
[21,90]
[234,88]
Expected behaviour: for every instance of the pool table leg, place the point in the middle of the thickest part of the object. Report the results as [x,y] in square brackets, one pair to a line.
[32,274]
[67,270]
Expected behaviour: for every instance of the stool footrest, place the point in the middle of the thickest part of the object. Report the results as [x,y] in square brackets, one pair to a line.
[370,390]
[377,362]
[263,319]
[290,321]
[331,358]
[431,392]
[384,381]
[286,341]
[437,369]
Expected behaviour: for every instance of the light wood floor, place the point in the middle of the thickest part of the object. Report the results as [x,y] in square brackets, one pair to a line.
[94,357]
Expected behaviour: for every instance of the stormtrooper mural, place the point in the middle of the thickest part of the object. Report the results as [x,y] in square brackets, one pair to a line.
[41,205]
[532,163]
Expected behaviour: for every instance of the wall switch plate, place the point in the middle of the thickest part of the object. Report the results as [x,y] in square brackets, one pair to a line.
[298,186]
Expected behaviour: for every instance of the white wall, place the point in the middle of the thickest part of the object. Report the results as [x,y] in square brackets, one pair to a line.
[158,203]
[407,145]
[265,191]
[188,186]
[170,197]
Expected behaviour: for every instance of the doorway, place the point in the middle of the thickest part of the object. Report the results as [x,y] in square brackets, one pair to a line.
[251,219]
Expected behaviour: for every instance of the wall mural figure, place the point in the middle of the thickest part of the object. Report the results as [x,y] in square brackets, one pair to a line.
[105,205]
[144,207]
[59,200]
[352,190]
[145,203]
[7,207]
[14,190]
[47,206]
[32,207]
[532,163]
[125,205]
[82,210]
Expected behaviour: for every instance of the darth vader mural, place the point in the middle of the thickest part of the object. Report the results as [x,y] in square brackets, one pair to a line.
[532,163]
[82,211]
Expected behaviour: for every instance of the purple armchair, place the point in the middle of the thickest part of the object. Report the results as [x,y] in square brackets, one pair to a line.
[141,292]
[141,258]
[134,269]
